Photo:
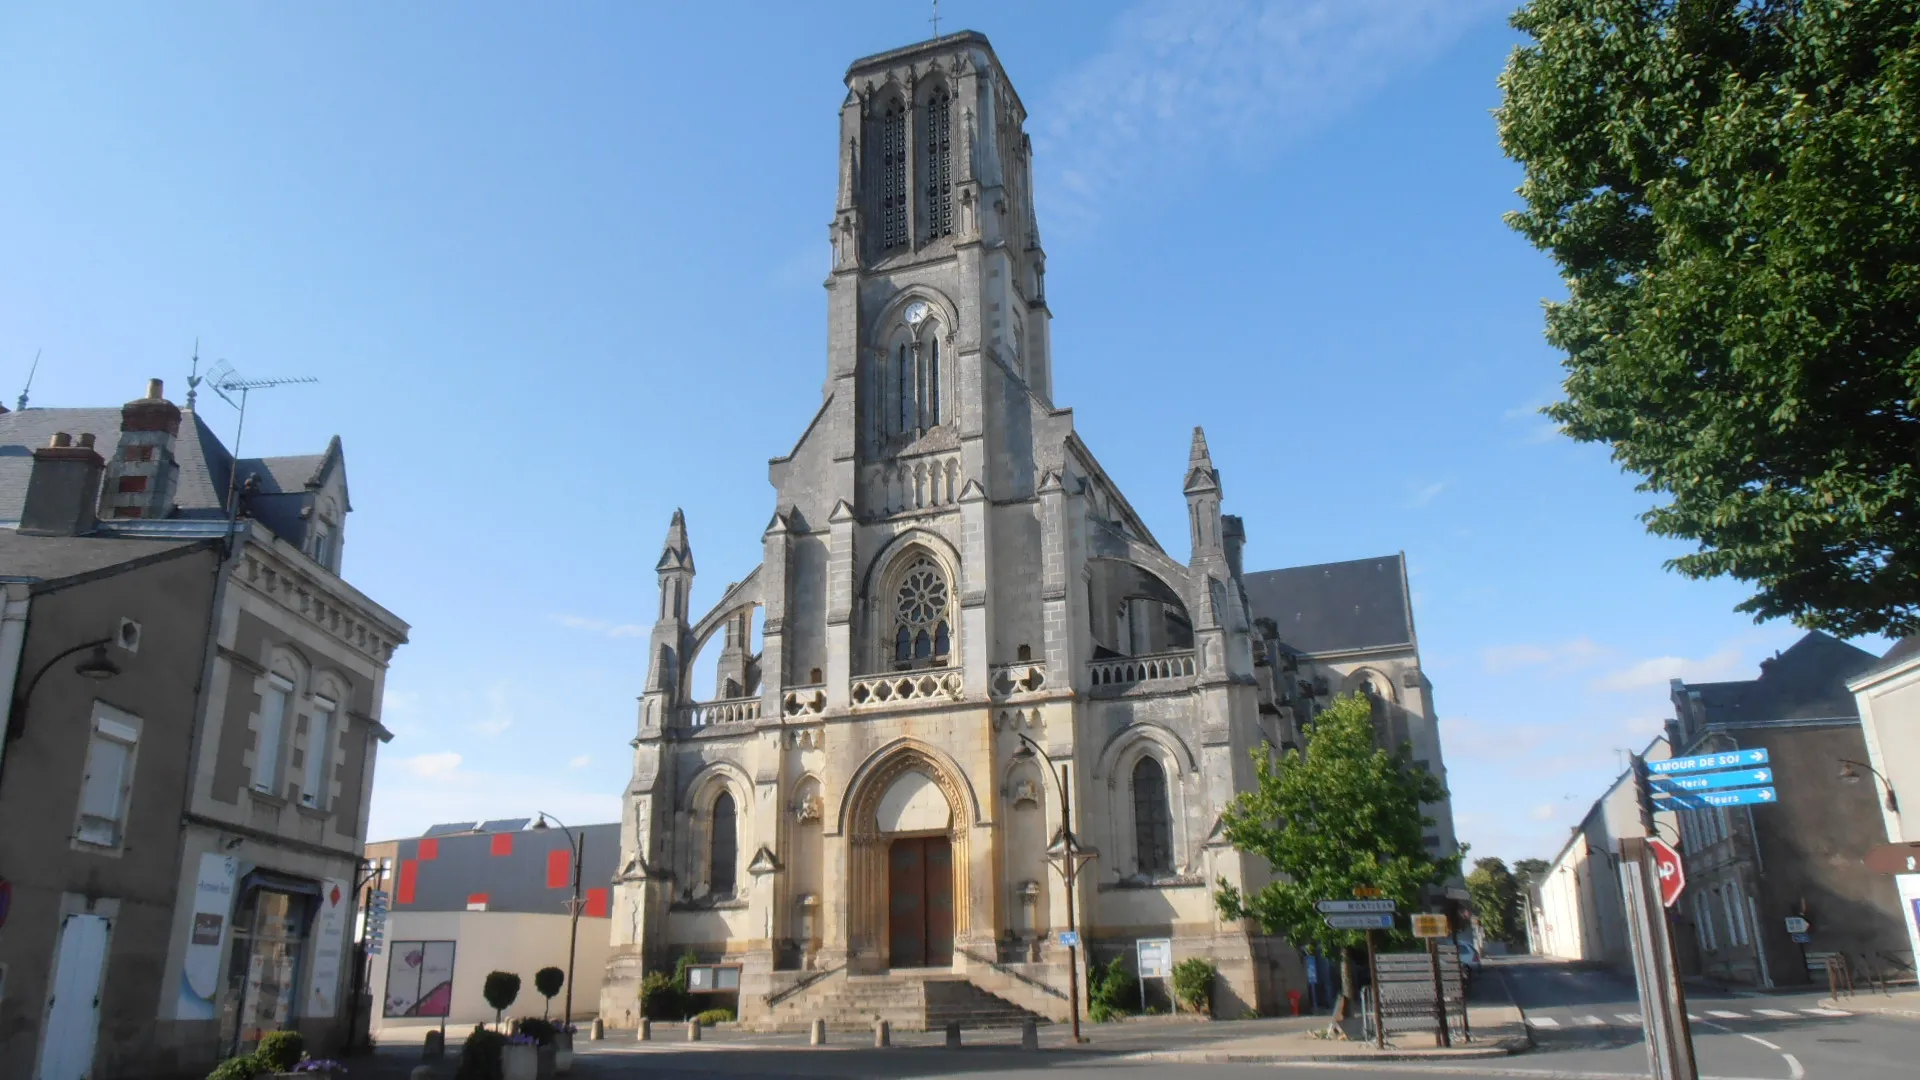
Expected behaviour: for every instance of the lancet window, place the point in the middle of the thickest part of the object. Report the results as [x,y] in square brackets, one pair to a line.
[937,179]
[1152,819]
[725,853]
[906,380]
[922,634]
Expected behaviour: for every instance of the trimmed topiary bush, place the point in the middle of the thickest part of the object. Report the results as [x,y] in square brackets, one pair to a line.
[280,1051]
[500,989]
[549,980]
[715,1016]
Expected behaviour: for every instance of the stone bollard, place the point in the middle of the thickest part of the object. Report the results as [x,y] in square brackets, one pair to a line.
[953,1035]
[598,1031]
[819,1035]
[421,1072]
[434,1048]
[693,1031]
[1029,1034]
[646,1029]
[882,1033]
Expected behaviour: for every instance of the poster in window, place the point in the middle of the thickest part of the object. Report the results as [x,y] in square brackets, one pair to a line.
[329,938]
[419,979]
[206,933]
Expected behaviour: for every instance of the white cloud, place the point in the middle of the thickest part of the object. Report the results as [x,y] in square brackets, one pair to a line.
[1422,496]
[1180,80]
[1579,652]
[499,715]
[1543,812]
[579,762]
[1659,670]
[442,766]
[602,626]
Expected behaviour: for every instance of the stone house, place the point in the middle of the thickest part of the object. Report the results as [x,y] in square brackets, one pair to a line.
[964,624]
[1888,696]
[193,722]
[1750,868]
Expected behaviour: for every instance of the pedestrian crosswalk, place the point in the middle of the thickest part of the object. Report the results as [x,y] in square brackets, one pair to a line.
[1634,1020]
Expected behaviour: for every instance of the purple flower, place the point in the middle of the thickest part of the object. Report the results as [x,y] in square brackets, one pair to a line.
[320,1065]
[522,1040]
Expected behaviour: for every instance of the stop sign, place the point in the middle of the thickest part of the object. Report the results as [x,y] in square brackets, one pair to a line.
[1673,876]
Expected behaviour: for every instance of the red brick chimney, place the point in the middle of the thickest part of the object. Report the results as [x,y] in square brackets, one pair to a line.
[143,474]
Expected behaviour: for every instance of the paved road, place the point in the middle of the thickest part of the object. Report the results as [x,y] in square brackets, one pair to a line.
[1588,1021]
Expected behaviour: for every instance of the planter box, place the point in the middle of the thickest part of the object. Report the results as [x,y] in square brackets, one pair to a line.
[563,1053]
[519,1062]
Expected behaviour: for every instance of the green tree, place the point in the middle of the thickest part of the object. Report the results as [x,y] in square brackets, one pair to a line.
[1495,896]
[1731,191]
[1528,873]
[548,980]
[1342,815]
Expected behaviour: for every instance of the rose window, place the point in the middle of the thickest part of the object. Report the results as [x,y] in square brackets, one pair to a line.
[920,615]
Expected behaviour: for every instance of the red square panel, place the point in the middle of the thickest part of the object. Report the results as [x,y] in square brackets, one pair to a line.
[559,869]
[429,849]
[403,893]
[502,844]
[596,904]
[476,898]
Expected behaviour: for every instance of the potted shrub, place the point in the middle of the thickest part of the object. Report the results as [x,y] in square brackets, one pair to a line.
[480,1057]
[542,1033]
[500,989]
[319,1069]
[563,1047]
[520,1058]
[244,1067]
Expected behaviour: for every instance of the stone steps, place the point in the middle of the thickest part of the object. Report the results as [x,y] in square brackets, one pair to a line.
[906,1002]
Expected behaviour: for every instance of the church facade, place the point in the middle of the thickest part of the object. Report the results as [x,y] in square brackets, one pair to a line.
[964,620]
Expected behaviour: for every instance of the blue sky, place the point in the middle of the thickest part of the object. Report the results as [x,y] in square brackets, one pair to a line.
[558,270]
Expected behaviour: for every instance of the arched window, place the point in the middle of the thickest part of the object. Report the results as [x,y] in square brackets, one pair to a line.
[726,847]
[939,169]
[922,636]
[891,184]
[1152,820]
[930,411]
[903,390]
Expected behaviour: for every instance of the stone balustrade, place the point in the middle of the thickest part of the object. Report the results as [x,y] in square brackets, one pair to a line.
[1012,680]
[804,701]
[725,711]
[875,691]
[1159,672]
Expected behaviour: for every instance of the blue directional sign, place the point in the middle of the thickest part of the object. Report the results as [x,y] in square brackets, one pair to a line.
[1701,800]
[1709,781]
[1736,759]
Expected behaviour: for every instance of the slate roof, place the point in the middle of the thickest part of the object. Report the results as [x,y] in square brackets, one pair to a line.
[1336,607]
[206,467]
[1902,651]
[54,558]
[1806,682]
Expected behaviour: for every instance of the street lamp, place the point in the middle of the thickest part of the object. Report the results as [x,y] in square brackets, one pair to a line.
[1067,856]
[577,847]
[1850,772]
[99,667]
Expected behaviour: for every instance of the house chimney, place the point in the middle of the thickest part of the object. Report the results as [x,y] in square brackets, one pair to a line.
[143,474]
[62,489]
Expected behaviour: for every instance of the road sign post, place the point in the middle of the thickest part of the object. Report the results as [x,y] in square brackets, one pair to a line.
[1736,759]
[1663,1003]
[1373,980]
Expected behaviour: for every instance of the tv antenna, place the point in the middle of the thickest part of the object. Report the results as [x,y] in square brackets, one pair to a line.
[22,403]
[227,382]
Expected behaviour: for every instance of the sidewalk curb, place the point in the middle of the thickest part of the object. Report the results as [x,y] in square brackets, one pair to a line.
[1853,1005]
[1507,1048]
[1526,1028]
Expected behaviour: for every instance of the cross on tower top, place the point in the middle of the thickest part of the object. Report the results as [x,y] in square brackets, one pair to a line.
[936,20]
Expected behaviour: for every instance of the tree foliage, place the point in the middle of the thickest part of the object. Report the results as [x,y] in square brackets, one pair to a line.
[549,981]
[1342,815]
[500,989]
[1495,897]
[1731,190]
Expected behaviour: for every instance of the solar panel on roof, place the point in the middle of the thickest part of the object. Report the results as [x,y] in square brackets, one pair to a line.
[450,828]
[509,824]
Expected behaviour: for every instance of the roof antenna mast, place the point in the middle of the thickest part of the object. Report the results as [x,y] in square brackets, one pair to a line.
[226,382]
[22,403]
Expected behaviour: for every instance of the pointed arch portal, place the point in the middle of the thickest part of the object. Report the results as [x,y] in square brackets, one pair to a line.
[908,819]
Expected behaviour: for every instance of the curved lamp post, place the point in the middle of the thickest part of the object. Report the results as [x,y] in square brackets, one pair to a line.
[99,667]
[576,847]
[1067,856]
[1850,772]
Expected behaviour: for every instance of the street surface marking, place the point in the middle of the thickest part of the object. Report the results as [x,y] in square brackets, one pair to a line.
[1591,1021]
[1777,1014]
[1725,1015]
[1630,1018]
[1826,1012]
[1697,1018]
[1761,1041]
[1536,1021]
